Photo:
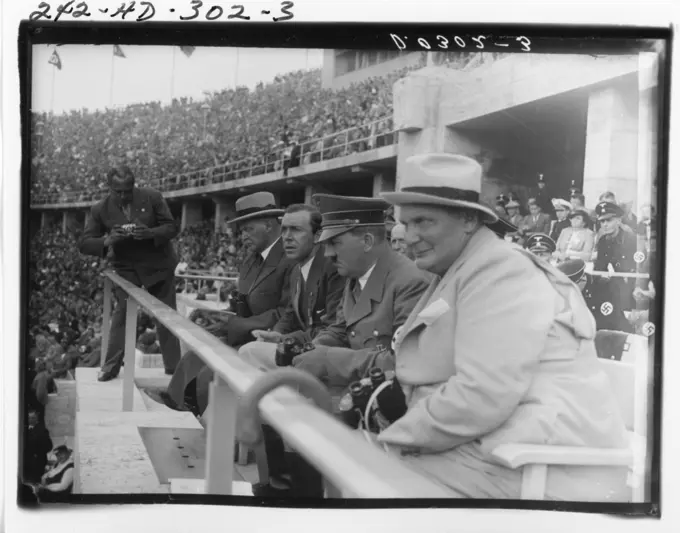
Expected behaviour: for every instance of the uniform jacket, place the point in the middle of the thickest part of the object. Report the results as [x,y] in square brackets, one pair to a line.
[557,227]
[323,291]
[606,304]
[144,262]
[362,334]
[541,225]
[501,350]
[619,251]
[581,249]
[267,290]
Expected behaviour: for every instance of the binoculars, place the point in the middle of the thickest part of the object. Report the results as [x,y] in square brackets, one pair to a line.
[239,304]
[391,402]
[288,349]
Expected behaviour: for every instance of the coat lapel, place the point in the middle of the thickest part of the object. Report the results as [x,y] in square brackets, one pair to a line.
[372,292]
[270,264]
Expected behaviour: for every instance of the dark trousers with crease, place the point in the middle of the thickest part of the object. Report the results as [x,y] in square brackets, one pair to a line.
[165,292]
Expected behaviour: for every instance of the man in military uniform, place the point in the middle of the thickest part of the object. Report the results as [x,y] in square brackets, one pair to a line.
[541,245]
[616,249]
[543,198]
[382,288]
[607,311]
[562,210]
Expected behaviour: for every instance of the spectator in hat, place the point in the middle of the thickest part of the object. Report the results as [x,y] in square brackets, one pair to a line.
[562,210]
[577,241]
[501,203]
[57,482]
[382,287]
[541,245]
[499,344]
[606,311]
[514,218]
[144,257]
[264,295]
[543,199]
[615,251]
[536,221]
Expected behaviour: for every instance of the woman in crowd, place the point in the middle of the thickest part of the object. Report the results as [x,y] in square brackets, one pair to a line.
[578,241]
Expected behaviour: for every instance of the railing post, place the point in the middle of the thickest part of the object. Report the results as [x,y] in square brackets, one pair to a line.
[106,320]
[130,338]
[221,416]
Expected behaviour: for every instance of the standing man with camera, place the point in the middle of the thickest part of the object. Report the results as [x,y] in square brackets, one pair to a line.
[263,294]
[315,284]
[132,227]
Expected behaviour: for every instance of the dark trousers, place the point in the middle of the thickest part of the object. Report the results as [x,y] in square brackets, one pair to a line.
[165,292]
[306,481]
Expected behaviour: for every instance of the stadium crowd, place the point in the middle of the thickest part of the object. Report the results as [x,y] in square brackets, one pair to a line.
[234,132]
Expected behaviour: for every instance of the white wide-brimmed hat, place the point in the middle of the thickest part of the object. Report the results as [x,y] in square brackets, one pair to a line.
[256,205]
[444,180]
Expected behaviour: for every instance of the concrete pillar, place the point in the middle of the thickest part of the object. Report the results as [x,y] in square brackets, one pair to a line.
[224,208]
[421,103]
[611,159]
[309,192]
[648,128]
[69,222]
[382,183]
[192,213]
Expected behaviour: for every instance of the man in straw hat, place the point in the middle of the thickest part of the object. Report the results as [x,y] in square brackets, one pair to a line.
[562,210]
[382,286]
[500,349]
[263,288]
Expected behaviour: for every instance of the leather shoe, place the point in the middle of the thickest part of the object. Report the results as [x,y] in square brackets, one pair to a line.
[106,376]
[262,490]
[169,372]
[169,402]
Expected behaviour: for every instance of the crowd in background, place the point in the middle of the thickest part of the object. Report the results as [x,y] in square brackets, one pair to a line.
[235,132]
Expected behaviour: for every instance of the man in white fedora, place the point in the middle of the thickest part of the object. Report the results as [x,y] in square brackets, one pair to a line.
[500,349]
[263,288]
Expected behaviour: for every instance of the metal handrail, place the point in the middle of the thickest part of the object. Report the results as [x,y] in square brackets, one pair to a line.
[351,465]
[247,167]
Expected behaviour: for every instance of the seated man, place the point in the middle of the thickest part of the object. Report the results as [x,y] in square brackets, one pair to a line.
[500,350]
[381,289]
[316,288]
[263,289]
[57,482]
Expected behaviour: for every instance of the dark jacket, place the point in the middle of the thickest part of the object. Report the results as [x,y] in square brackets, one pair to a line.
[323,292]
[267,290]
[144,262]
[37,445]
[619,251]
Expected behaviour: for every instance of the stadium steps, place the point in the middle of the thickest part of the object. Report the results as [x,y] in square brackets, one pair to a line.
[110,453]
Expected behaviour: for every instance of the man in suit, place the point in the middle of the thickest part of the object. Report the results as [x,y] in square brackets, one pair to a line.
[37,444]
[381,288]
[315,284]
[536,221]
[500,349]
[141,253]
[264,295]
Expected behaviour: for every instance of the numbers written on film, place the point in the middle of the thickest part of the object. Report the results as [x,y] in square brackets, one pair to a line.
[480,42]
[146,11]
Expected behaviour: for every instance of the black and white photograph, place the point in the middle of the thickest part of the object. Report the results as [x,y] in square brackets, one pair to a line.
[303,275]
